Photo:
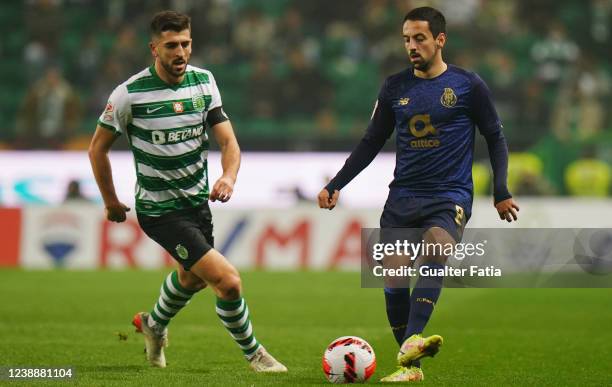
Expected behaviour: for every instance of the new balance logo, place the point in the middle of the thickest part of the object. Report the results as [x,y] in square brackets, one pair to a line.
[149,111]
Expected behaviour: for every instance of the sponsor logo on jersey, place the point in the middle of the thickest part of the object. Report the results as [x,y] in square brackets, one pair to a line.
[150,111]
[159,137]
[425,143]
[198,102]
[420,127]
[108,112]
[178,107]
[181,251]
[448,98]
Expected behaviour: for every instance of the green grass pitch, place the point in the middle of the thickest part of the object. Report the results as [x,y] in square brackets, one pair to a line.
[492,337]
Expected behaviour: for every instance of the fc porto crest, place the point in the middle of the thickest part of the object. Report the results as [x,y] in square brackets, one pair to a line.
[448,98]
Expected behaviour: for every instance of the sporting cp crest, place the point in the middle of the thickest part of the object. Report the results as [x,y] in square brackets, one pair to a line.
[198,102]
[448,99]
[181,251]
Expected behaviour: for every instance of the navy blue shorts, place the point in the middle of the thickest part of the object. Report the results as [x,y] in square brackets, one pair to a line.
[424,213]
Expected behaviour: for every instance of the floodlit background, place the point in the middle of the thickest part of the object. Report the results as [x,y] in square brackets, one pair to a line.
[298,79]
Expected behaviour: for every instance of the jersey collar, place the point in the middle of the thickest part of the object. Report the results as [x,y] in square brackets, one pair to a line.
[169,86]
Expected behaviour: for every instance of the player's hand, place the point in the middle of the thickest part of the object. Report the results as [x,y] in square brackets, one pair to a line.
[222,190]
[325,201]
[115,212]
[507,210]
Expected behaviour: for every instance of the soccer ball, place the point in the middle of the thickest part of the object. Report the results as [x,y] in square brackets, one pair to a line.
[349,359]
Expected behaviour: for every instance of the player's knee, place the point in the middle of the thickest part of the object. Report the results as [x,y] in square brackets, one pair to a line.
[195,285]
[230,286]
[190,281]
[440,240]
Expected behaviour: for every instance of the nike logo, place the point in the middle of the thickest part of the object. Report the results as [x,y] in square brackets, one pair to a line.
[149,111]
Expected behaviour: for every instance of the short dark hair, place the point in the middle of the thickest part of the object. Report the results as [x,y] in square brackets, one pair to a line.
[437,22]
[169,21]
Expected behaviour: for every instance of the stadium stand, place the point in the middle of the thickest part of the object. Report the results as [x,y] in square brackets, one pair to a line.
[294,78]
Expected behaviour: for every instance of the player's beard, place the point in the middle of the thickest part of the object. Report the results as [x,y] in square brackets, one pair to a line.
[425,65]
[422,66]
[169,67]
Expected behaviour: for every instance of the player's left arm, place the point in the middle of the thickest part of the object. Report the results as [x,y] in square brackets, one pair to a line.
[230,154]
[490,127]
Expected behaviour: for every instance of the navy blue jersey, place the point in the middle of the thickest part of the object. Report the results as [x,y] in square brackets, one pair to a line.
[434,121]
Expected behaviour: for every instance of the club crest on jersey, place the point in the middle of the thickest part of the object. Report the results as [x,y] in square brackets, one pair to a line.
[181,251]
[178,107]
[448,99]
[403,101]
[198,102]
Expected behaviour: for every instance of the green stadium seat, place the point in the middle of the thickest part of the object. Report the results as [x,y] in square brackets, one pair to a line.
[70,45]
[79,18]
[357,92]
[273,8]
[259,128]
[11,17]
[15,42]
[10,103]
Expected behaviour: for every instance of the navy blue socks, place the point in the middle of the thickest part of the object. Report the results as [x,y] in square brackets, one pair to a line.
[397,301]
[423,299]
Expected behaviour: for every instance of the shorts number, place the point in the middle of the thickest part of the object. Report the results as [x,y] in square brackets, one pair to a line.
[459,215]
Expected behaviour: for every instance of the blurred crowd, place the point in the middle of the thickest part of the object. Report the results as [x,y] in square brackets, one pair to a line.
[303,75]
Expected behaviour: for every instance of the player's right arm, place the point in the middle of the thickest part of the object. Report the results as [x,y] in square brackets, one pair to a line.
[99,147]
[379,130]
[111,124]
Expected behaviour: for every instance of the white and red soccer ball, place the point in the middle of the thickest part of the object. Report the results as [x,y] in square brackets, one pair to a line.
[349,359]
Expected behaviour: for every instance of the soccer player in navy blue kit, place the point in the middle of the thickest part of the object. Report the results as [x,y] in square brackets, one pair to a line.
[434,108]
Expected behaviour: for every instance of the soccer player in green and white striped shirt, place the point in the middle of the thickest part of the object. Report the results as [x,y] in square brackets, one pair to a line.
[165,111]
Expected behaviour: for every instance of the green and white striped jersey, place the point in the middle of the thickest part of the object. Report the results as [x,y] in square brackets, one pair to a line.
[165,128]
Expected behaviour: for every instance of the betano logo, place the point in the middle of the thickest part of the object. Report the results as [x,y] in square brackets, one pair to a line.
[420,126]
[159,137]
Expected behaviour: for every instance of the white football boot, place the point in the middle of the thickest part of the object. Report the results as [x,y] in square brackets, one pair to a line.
[156,339]
[262,361]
